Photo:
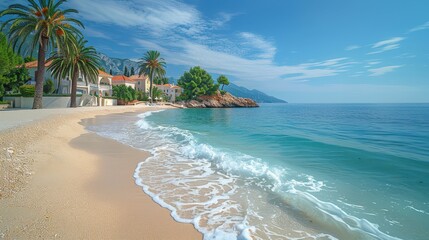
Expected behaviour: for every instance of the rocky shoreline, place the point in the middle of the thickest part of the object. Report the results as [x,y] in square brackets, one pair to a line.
[219,101]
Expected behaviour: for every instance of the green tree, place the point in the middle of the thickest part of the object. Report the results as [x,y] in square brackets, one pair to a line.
[157,93]
[76,60]
[44,25]
[11,76]
[29,59]
[126,71]
[132,71]
[122,92]
[153,66]
[161,80]
[197,82]
[223,81]
[48,87]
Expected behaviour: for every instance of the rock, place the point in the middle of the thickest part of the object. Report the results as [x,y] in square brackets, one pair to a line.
[219,101]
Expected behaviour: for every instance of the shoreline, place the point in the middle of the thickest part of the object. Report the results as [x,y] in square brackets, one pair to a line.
[70,183]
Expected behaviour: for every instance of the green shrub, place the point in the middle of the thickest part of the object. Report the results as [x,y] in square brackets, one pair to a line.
[222,92]
[2,90]
[142,96]
[110,97]
[180,98]
[48,87]
[13,95]
[4,102]
[27,90]
[122,92]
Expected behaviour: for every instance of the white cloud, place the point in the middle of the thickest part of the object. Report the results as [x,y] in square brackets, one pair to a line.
[266,49]
[95,33]
[388,42]
[386,45]
[157,16]
[184,37]
[382,70]
[352,47]
[421,27]
[222,19]
[189,54]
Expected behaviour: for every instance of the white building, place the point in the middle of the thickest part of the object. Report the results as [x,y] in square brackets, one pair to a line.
[101,86]
[171,91]
[142,82]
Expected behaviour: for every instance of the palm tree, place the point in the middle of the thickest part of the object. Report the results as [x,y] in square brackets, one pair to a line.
[153,66]
[39,24]
[77,60]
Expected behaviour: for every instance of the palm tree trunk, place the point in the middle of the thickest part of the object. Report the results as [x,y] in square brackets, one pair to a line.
[222,86]
[38,95]
[150,87]
[74,88]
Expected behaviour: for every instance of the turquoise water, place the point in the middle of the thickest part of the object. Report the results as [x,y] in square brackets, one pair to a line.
[290,171]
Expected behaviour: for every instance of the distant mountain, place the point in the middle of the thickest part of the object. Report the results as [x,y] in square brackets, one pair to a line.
[117,65]
[256,95]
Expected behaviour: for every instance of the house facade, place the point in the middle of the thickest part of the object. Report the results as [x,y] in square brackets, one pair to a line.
[142,83]
[100,86]
[123,80]
[171,91]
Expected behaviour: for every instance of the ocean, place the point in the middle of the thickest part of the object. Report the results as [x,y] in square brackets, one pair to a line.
[286,171]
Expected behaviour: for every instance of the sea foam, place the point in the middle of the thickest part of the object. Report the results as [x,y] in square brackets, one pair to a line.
[231,195]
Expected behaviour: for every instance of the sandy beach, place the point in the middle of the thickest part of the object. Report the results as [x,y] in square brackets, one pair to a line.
[59,181]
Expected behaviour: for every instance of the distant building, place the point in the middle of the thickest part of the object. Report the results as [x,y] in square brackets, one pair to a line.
[142,82]
[171,91]
[101,85]
[123,80]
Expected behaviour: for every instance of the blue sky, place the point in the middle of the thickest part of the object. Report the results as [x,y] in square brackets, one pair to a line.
[298,50]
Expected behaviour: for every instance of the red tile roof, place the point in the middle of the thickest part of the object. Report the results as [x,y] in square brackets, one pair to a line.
[167,85]
[104,74]
[121,78]
[34,64]
[138,77]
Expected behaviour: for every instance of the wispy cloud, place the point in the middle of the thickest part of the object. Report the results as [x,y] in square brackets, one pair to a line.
[222,19]
[189,54]
[185,37]
[157,16]
[95,33]
[382,70]
[420,27]
[386,45]
[266,49]
[352,47]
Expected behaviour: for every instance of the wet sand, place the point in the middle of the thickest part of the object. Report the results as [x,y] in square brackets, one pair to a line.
[58,181]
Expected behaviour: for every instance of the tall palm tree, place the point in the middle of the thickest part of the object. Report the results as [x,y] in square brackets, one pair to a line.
[153,66]
[76,60]
[39,24]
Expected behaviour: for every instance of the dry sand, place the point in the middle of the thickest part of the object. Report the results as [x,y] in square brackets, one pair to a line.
[58,181]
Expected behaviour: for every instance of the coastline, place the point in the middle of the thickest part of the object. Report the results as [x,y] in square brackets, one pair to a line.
[65,182]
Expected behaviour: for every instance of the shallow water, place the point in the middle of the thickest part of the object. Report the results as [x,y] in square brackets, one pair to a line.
[285,171]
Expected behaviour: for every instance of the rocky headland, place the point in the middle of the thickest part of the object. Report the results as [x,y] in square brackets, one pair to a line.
[219,100]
